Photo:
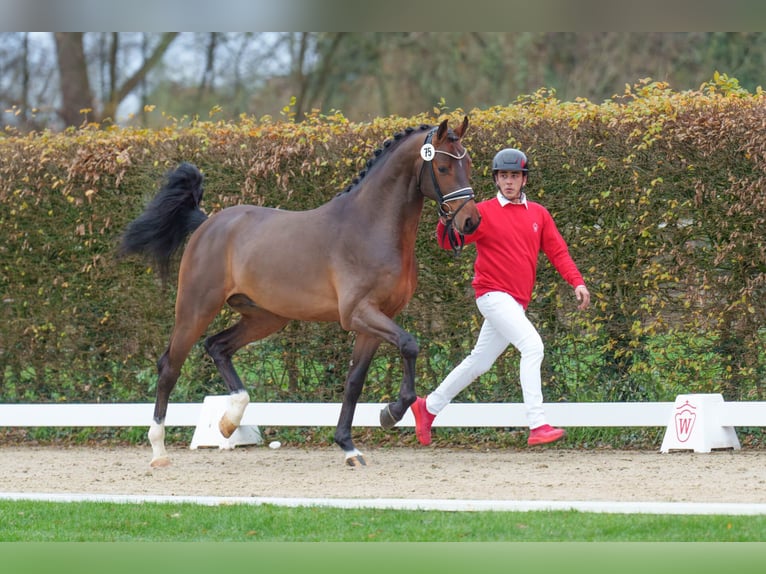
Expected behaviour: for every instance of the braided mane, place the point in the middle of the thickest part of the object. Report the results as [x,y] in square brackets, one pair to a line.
[388,145]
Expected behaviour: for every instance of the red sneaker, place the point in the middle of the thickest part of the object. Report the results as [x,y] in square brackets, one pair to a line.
[423,420]
[544,435]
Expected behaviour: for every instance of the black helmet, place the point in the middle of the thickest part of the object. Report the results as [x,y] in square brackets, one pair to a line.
[510,159]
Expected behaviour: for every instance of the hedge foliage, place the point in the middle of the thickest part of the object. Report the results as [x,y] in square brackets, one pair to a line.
[660,195]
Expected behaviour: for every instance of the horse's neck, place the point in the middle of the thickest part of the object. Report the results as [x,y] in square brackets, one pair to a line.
[396,200]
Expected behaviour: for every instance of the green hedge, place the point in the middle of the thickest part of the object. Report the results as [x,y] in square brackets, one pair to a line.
[659,194]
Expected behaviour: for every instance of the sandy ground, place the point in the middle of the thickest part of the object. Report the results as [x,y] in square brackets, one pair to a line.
[393,472]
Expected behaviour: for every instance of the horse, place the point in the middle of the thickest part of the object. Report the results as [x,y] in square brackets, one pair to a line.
[351,261]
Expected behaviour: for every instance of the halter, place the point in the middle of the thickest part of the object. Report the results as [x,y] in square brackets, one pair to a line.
[456,239]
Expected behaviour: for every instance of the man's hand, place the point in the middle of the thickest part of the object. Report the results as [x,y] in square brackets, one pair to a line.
[583,296]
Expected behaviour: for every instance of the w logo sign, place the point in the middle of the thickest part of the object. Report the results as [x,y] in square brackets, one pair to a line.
[693,424]
[685,417]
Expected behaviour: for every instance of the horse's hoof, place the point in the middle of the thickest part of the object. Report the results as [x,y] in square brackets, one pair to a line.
[387,420]
[227,429]
[356,461]
[160,462]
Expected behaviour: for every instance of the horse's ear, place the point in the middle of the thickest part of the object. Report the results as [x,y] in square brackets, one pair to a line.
[460,131]
[441,133]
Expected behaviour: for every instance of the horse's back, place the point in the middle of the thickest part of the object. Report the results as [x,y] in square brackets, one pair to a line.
[268,255]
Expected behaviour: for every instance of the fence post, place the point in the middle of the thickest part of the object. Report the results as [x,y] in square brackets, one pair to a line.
[694,425]
[206,432]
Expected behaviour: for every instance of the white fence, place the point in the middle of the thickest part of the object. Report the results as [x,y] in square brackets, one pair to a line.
[697,422]
[742,414]
[326,414]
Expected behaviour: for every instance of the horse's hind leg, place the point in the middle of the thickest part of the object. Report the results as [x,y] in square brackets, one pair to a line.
[193,315]
[256,323]
[185,334]
[166,380]
[364,350]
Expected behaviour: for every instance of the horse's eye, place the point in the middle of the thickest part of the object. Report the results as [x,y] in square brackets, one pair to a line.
[443,169]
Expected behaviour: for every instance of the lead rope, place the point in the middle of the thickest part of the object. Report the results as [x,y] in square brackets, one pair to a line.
[456,239]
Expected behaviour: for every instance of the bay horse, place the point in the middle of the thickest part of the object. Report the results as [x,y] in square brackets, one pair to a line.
[351,260]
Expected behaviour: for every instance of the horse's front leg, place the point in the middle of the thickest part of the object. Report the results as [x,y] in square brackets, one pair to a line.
[392,413]
[364,350]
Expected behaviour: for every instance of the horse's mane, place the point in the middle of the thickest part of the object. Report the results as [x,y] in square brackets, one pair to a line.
[381,152]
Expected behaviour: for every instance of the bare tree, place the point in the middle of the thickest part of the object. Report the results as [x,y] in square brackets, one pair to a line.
[118,92]
[76,92]
[208,76]
[314,80]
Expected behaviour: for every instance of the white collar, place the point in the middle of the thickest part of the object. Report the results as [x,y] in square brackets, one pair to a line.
[505,201]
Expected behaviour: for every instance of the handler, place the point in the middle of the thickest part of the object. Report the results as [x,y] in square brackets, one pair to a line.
[512,233]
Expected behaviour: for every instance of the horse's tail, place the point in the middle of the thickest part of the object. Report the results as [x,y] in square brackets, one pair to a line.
[168,220]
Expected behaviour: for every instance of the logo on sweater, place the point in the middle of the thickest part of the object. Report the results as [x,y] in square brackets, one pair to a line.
[534,227]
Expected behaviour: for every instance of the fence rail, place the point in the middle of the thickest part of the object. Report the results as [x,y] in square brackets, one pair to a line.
[644,414]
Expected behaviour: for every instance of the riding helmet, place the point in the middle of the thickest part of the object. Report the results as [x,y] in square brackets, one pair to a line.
[510,159]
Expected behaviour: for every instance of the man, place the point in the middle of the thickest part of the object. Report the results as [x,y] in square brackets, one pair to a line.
[512,233]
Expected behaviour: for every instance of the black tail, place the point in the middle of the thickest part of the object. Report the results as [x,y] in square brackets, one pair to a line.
[168,220]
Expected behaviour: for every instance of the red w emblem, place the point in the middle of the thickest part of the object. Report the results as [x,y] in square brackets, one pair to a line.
[685,417]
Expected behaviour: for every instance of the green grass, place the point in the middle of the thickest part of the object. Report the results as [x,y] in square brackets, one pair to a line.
[385,558]
[47,537]
[29,521]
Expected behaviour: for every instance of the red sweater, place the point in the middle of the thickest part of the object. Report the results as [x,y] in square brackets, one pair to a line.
[508,242]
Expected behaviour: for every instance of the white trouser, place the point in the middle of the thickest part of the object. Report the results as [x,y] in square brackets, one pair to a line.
[505,322]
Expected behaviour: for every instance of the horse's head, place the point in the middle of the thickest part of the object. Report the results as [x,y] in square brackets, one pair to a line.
[445,177]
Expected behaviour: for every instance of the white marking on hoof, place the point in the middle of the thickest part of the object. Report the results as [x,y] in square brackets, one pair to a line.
[156,436]
[225,427]
[161,462]
[233,416]
[355,458]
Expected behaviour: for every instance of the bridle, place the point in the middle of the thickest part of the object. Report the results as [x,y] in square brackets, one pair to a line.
[456,239]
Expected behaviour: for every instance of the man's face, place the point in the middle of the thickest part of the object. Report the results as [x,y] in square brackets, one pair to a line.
[510,183]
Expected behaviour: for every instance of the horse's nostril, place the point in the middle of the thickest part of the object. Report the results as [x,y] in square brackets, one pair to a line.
[471,224]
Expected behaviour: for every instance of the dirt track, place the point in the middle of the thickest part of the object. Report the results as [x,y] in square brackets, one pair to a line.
[393,472]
